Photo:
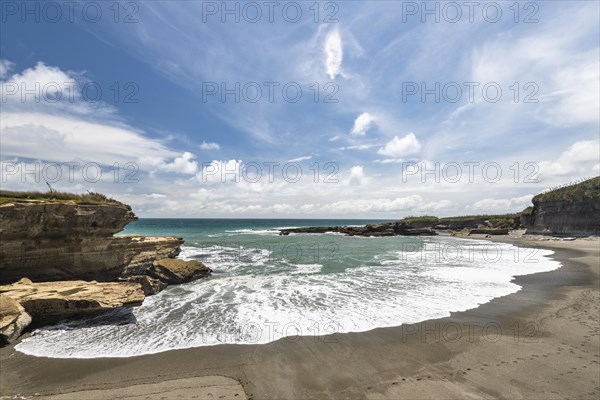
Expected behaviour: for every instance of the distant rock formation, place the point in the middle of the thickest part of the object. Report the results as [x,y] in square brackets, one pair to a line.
[572,210]
[373,230]
[488,231]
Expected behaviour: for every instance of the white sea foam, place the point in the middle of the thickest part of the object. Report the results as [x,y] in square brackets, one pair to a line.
[262,232]
[252,299]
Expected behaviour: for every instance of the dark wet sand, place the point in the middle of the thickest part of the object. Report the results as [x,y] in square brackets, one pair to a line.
[540,343]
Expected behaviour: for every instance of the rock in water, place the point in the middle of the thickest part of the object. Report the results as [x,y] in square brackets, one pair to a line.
[488,231]
[13,319]
[175,271]
[150,285]
[52,301]
[373,230]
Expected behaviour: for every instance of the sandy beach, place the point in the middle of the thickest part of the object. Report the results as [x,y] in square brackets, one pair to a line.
[541,342]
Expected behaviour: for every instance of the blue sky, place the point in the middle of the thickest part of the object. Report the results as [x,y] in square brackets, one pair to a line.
[374,59]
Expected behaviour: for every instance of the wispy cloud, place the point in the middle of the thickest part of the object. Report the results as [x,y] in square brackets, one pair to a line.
[298,159]
[210,146]
[334,53]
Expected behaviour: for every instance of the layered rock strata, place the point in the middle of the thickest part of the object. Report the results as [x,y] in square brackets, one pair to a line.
[63,241]
[52,301]
[59,259]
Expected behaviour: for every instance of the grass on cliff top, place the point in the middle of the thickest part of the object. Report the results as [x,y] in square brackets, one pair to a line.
[90,198]
[480,216]
[430,218]
[422,218]
[496,221]
[586,190]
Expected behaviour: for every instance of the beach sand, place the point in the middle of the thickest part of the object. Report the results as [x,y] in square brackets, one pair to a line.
[542,342]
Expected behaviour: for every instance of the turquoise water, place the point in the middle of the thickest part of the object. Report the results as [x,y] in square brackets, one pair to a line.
[266,287]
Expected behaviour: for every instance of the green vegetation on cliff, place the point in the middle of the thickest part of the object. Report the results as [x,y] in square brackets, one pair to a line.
[589,189]
[496,221]
[91,198]
[422,218]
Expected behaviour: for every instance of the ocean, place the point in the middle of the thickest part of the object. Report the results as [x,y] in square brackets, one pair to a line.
[266,287]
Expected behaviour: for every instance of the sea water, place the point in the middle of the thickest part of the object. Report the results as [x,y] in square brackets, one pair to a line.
[266,287]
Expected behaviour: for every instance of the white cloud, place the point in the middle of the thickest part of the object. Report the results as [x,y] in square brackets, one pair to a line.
[303,158]
[554,64]
[580,159]
[334,138]
[156,196]
[398,147]
[390,161]
[374,205]
[184,164]
[357,176]
[5,67]
[210,146]
[219,171]
[503,205]
[65,138]
[357,147]
[74,129]
[362,124]
[50,89]
[333,53]
[436,205]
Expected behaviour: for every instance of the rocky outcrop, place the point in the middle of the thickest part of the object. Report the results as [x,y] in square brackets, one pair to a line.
[173,271]
[488,231]
[51,301]
[372,230]
[68,249]
[578,218]
[13,319]
[47,241]
[149,285]
[56,220]
[169,271]
[572,210]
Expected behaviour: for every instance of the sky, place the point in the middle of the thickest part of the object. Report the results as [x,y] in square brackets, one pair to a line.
[349,109]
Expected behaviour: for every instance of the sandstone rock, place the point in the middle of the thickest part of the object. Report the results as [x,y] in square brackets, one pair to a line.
[48,241]
[13,319]
[52,301]
[102,259]
[175,271]
[149,285]
[20,220]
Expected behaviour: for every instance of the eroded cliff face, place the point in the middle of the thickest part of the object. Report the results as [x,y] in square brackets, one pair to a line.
[559,217]
[59,259]
[46,241]
[49,220]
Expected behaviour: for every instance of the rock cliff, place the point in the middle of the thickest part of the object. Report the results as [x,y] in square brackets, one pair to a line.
[572,210]
[63,241]
[60,259]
